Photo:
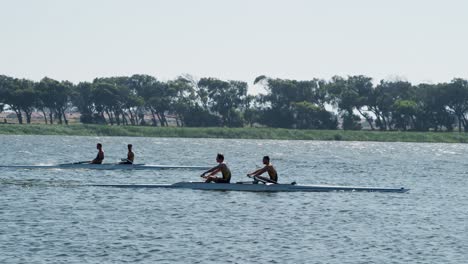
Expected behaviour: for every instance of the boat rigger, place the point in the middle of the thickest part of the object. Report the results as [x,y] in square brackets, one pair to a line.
[257,187]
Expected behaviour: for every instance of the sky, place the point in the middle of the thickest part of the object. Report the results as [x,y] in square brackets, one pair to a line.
[413,40]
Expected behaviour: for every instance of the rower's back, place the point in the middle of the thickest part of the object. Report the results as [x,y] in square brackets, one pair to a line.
[100,156]
[130,154]
[272,172]
[226,172]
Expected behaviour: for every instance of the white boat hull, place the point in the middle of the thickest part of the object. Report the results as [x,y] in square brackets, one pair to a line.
[88,166]
[250,187]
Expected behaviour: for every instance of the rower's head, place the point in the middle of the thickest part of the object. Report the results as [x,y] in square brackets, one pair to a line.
[219,158]
[129,146]
[266,160]
[99,146]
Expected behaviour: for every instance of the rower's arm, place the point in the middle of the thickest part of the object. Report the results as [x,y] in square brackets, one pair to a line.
[215,171]
[217,167]
[259,171]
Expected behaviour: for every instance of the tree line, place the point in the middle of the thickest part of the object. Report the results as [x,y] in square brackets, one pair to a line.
[345,102]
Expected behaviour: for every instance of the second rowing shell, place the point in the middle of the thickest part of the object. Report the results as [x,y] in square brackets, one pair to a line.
[106,167]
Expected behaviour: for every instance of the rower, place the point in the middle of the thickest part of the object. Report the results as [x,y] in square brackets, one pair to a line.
[130,156]
[221,167]
[268,168]
[100,156]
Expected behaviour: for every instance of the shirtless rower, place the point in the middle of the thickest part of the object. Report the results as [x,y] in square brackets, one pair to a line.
[268,168]
[221,167]
[130,156]
[100,156]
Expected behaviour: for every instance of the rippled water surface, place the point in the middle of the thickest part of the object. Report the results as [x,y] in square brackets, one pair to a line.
[48,216]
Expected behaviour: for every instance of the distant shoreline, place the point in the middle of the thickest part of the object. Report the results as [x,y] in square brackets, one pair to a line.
[235,133]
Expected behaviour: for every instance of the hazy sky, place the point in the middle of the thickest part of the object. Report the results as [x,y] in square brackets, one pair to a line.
[420,41]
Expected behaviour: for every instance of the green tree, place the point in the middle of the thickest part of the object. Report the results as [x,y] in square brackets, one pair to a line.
[404,113]
[383,98]
[434,100]
[142,86]
[252,112]
[121,101]
[456,96]
[225,98]
[157,96]
[351,122]
[183,98]
[311,116]
[19,95]
[279,104]
[352,94]
[27,97]
[54,96]
[105,99]
[83,99]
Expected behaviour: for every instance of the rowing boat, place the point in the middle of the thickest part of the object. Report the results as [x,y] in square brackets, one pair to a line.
[256,187]
[109,166]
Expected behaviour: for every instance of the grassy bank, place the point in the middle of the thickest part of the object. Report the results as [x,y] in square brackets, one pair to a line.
[247,133]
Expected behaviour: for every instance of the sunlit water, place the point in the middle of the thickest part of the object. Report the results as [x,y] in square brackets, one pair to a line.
[47,216]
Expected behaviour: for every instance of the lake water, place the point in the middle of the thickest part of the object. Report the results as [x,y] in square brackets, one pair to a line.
[47,217]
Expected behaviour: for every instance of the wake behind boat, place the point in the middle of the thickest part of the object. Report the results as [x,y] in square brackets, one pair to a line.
[110,166]
[256,187]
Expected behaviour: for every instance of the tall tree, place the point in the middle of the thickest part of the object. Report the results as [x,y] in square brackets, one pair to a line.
[183,98]
[6,84]
[352,94]
[310,116]
[19,95]
[432,101]
[55,96]
[83,99]
[457,101]
[27,96]
[225,98]
[154,95]
[383,98]
[283,97]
